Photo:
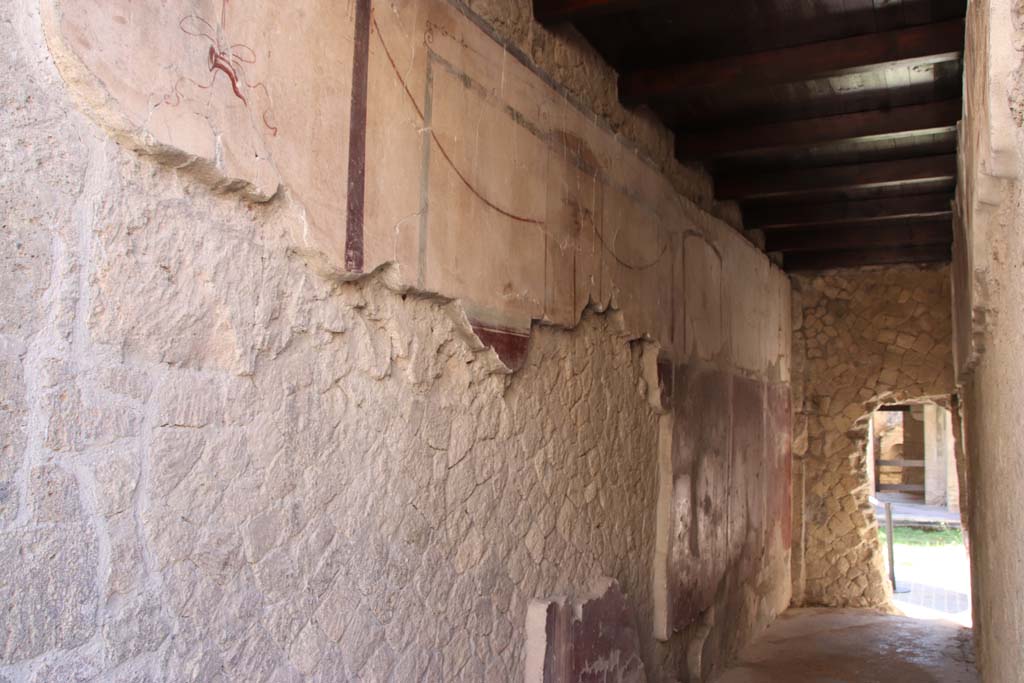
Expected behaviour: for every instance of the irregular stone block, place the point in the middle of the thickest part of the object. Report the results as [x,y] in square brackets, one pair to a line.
[48,590]
[53,496]
[896,362]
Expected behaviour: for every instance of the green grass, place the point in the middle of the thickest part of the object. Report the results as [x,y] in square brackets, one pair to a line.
[903,535]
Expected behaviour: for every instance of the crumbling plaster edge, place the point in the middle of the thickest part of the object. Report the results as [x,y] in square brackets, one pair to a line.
[91,96]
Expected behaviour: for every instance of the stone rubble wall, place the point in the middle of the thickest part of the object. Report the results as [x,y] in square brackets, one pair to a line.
[224,466]
[219,464]
[861,338]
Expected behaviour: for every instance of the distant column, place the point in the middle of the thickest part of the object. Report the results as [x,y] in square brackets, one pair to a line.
[936,456]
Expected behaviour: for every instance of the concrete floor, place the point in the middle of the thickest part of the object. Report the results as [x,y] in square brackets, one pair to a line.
[855,646]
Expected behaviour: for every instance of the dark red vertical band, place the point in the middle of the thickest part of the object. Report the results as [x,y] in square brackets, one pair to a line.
[357,140]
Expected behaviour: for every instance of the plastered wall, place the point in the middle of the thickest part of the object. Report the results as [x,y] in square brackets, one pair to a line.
[448,154]
[862,338]
[227,456]
[989,327]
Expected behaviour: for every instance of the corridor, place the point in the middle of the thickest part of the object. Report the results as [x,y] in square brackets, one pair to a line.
[855,646]
[540,341]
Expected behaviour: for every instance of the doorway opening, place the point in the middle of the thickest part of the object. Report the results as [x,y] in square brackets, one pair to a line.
[912,471]
[911,458]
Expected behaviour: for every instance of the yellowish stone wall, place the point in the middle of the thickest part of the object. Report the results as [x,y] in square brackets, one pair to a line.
[861,338]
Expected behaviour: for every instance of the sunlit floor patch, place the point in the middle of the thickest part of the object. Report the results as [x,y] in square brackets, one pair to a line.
[855,646]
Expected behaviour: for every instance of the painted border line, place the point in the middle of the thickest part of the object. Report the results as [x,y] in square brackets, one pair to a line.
[357,140]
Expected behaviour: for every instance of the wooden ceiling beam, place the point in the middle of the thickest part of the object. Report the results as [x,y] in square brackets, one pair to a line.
[898,235]
[808,180]
[927,44]
[853,258]
[794,215]
[879,224]
[554,11]
[933,117]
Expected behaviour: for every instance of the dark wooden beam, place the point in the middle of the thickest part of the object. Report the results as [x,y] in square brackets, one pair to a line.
[882,224]
[790,215]
[852,258]
[554,11]
[898,235]
[928,44]
[877,174]
[887,124]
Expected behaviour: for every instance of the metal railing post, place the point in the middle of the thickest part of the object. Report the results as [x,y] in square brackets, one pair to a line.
[888,542]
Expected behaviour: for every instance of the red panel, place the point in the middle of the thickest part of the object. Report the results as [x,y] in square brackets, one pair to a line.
[700,469]
[780,452]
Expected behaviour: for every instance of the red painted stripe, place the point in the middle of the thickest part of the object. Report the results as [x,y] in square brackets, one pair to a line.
[357,140]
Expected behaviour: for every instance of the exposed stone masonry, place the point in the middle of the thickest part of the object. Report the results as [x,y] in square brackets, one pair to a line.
[219,464]
[861,338]
[300,483]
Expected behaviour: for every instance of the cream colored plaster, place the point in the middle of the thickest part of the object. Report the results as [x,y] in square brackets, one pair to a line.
[989,328]
[484,180]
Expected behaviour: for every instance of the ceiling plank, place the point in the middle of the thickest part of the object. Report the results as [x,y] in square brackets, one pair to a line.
[928,44]
[852,258]
[554,11]
[932,117]
[791,215]
[879,224]
[903,172]
[899,235]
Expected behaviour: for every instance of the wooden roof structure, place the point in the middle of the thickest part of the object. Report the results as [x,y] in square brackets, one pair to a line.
[831,122]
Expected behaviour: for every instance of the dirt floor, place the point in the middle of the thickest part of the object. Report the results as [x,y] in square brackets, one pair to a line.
[856,646]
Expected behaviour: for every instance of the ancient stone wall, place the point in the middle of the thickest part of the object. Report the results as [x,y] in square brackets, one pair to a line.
[861,338]
[989,327]
[222,460]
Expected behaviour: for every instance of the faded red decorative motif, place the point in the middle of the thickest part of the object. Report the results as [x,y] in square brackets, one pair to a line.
[231,59]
